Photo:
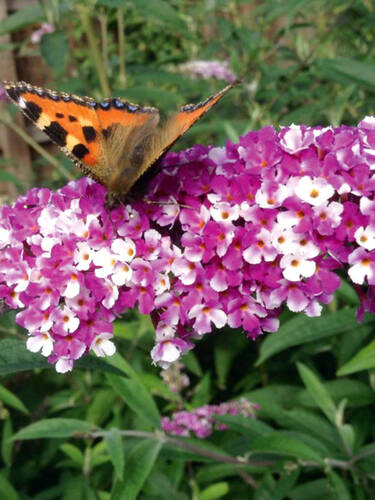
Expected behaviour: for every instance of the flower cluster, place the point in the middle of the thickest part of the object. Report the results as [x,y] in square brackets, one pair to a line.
[208,69]
[227,236]
[201,421]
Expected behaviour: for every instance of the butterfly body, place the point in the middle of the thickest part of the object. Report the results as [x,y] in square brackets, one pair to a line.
[114,142]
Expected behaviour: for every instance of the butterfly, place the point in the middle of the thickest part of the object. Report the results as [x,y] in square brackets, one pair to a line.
[114,141]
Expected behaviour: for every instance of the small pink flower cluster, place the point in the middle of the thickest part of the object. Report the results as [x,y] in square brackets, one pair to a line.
[37,35]
[235,233]
[208,69]
[201,421]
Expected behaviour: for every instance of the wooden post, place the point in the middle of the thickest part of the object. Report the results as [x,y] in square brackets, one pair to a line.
[11,144]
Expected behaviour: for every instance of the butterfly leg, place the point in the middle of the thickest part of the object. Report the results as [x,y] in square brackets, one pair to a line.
[165,203]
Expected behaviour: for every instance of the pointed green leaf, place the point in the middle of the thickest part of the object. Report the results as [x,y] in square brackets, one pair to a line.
[54,428]
[137,469]
[245,425]
[214,491]
[7,491]
[21,18]
[12,400]
[115,449]
[73,452]
[338,486]
[301,330]
[6,442]
[137,397]
[14,357]
[350,70]
[317,391]
[284,445]
[363,360]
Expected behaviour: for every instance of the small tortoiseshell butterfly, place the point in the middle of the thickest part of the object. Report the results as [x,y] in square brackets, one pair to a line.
[114,141]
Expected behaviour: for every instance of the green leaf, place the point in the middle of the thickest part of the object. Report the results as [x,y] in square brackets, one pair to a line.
[54,48]
[160,11]
[14,357]
[137,397]
[21,19]
[338,486]
[363,360]
[192,449]
[301,330]
[114,4]
[356,392]
[6,176]
[54,428]
[6,489]
[73,452]
[115,447]
[284,445]
[299,419]
[12,400]
[214,491]
[6,442]
[101,406]
[245,425]
[137,468]
[192,364]
[158,387]
[202,391]
[352,70]
[312,490]
[317,391]
[347,293]
[209,473]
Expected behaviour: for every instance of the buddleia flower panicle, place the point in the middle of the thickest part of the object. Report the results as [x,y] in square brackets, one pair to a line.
[240,231]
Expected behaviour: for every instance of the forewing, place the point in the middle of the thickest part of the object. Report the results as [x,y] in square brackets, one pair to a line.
[79,125]
[178,124]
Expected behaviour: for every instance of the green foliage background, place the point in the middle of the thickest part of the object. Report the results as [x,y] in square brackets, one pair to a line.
[94,433]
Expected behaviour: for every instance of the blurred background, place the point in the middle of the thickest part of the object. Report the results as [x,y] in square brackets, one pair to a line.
[301,61]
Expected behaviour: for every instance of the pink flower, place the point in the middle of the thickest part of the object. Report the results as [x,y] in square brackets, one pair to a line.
[204,314]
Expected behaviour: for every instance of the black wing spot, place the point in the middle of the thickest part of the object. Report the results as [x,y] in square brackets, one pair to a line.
[80,151]
[89,133]
[13,93]
[32,110]
[59,115]
[72,118]
[57,133]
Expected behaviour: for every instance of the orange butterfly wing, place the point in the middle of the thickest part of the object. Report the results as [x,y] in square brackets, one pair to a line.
[76,124]
[188,115]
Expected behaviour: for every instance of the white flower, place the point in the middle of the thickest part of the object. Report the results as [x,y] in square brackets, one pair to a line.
[102,346]
[41,342]
[124,249]
[83,256]
[223,212]
[122,274]
[365,237]
[295,267]
[64,364]
[72,287]
[314,191]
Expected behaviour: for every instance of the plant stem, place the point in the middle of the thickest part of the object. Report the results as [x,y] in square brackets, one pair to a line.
[160,436]
[121,47]
[31,142]
[104,37]
[94,49]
